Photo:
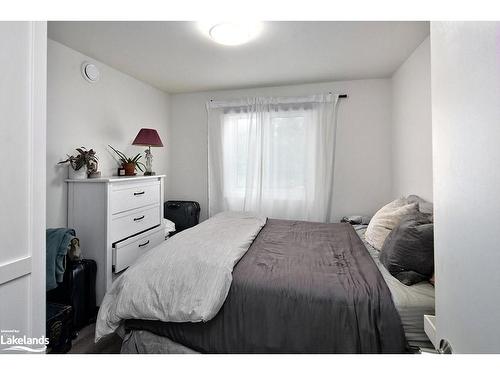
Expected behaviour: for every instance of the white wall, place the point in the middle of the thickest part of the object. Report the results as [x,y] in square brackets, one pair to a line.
[466,137]
[412,125]
[110,111]
[363,161]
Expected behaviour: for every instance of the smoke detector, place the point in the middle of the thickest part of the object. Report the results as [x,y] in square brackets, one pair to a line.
[90,72]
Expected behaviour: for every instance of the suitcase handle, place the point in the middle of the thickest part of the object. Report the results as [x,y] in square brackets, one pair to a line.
[144,244]
[139,218]
[139,193]
[173,205]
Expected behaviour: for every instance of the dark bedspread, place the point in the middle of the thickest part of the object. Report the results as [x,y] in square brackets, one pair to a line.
[301,288]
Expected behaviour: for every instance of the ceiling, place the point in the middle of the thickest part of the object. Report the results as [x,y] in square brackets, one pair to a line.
[176,57]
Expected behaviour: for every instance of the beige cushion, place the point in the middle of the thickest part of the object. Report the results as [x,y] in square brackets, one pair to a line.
[386,219]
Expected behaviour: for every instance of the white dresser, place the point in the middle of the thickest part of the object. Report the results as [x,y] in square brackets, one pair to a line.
[117,219]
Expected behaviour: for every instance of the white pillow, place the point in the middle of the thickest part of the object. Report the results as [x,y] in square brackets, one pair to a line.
[386,219]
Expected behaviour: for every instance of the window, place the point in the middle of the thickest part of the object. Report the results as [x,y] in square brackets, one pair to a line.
[279,146]
[273,156]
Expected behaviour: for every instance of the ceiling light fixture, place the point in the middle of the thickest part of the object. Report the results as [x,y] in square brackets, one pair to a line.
[232,33]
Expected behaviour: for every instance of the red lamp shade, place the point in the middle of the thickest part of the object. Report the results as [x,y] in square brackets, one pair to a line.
[148,137]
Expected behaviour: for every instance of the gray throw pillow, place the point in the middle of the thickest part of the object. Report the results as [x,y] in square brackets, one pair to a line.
[423,205]
[386,219]
[408,251]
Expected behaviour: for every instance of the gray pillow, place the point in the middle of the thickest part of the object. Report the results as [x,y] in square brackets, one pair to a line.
[386,219]
[423,205]
[408,251]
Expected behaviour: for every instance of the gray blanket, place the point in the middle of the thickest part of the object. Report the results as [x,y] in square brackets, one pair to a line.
[301,288]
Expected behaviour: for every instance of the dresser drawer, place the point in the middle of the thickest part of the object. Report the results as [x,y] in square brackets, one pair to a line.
[125,253]
[132,222]
[125,197]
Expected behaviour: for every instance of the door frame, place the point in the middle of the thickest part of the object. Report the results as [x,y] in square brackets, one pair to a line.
[38,175]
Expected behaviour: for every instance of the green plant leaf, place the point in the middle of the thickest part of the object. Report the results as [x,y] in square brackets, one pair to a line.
[122,157]
[79,163]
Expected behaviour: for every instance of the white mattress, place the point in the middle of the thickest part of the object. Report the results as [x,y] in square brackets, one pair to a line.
[412,302]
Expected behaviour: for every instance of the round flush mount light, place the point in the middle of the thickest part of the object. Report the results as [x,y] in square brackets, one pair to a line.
[90,72]
[232,33]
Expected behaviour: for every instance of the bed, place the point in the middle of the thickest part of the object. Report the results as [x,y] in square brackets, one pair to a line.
[412,302]
[300,288]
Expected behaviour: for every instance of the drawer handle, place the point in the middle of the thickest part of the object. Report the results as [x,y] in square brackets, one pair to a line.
[139,193]
[144,244]
[139,218]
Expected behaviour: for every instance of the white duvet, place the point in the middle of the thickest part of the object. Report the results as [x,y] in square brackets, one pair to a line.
[185,279]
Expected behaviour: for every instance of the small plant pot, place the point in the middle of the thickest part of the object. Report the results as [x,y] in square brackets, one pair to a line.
[80,174]
[129,169]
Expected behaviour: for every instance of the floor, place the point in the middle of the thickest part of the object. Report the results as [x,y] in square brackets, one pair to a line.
[84,343]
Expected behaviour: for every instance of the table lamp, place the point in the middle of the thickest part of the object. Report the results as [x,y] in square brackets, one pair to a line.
[150,138]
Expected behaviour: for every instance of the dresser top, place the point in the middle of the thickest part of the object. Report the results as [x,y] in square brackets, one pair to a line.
[116,179]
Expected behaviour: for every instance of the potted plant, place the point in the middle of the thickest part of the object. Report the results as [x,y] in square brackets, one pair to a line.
[81,163]
[129,164]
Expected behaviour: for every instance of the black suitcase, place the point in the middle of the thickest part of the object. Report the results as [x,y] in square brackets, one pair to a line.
[185,214]
[59,327]
[78,291]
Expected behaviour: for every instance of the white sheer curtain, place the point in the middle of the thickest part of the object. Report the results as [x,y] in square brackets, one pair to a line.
[274,156]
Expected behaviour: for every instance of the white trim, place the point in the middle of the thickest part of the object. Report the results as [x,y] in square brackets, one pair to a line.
[105,180]
[15,269]
[38,107]
[430,328]
[29,141]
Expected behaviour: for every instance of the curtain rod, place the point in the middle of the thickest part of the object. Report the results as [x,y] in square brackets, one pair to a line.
[340,96]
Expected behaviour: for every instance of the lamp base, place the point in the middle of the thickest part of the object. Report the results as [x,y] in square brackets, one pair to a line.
[149,173]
